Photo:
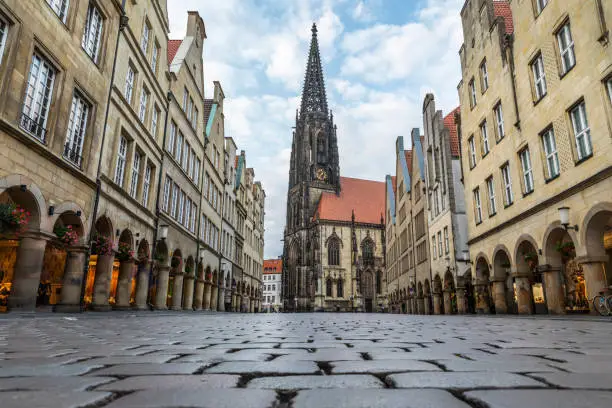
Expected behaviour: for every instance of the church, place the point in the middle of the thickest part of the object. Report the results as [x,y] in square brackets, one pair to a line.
[334,238]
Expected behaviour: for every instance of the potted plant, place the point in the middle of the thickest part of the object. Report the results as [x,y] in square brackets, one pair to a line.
[566,249]
[124,252]
[175,262]
[101,245]
[66,235]
[532,260]
[188,269]
[12,217]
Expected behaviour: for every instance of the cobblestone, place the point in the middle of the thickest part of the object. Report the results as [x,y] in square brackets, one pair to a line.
[122,360]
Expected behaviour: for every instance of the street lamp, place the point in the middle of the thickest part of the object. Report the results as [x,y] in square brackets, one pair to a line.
[564,218]
[163,232]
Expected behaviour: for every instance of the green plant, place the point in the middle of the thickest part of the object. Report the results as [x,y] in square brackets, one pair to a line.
[566,249]
[188,269]
[66,235]
[176,261]
[101,245]
[124,252]
[13,217]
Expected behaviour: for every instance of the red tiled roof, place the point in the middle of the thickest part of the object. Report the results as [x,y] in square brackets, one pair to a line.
[501,8]
[276,266]
[451,124]
[365,197]
[394,183]
[408,154]
[173,47]
[208,103]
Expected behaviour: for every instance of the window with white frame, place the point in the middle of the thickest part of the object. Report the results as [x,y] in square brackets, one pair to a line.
[508,196]
[566,48]
[77,125]
[121,156]
[472,86]
[484,76]
[550,151]
[185,99]
[433,246]
[196,170]
[144,41]
[146,185]
[38,97]
[609,88]
[175,194]
[154,57]
[166,197]
[527,171]
[186,152]
[582,132]
[3,35]
[472,156]
[190,110]
[440,243]
[477,206]
[129,84]
[92,35]
[60,7]
[499,121]
[540,4]
[192,165]
[539,77]
[187,212]
[171,138]
[144,99]
[194,215]
[181,207]
[484,134]
[194,122]
[446,241]
[154,119]
[179,147]
[135,174]
[491,191]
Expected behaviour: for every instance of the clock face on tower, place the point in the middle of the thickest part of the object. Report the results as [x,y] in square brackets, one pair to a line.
[321,174]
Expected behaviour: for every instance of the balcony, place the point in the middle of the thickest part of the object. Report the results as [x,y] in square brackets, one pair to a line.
[34,126]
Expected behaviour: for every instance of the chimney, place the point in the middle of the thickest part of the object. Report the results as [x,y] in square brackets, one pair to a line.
[195,26]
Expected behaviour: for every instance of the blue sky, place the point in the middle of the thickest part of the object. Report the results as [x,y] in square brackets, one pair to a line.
[380,59]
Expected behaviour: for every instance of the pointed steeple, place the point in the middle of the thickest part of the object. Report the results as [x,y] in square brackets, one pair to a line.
[314,99]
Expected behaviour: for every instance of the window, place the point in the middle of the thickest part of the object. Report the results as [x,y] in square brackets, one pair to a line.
[185,99]
[146,185]
[154,119]
[144,41]
[328,289]
[472,86]
[446,241]
[472,156]
[171,138]
[135,175]
[485,138]
[144,97]
[196,171]
[566,48]
[491,191]
[154,58]
[477,206]
[608,86]
[433,246]
[187,212]
[179,147]
[540,4]
[93,32]
[192,164]
[186,153]
[181,207]
[38,98]
[484,76]
[129,84]
[77,125]
[190,110]
[339,289]
[499,121]
[440,243]
[527,171]
[194,122]
[166,199]
[3,35]
[508,196]
[333,252]
[121,155]
[550,151]
[582,132]
[175,194]
[60,7]
[539,77]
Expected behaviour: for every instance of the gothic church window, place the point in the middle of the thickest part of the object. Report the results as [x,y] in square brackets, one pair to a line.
[367,250]
[339,289]
[333,253]
[328,289]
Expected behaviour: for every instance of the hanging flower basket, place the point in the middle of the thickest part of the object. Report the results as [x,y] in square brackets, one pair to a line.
[188,269]
[67,236]
[175,262]
[532,260]
[13,218]
[566,249]
[124,252]
[101,245]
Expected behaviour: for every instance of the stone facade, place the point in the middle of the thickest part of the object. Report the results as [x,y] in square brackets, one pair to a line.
[550,70]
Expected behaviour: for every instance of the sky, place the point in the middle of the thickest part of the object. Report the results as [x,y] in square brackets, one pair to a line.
[380,59]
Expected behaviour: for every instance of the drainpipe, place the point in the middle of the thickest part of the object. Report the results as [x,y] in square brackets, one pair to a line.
[123,22]
[510,44]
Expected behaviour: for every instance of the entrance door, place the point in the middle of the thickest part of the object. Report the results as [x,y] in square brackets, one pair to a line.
[368,305]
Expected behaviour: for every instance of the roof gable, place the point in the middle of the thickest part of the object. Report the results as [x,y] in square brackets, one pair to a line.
[364,198]
[391,197]
[450,122]
[417,142]
[173,47]
[501,8]
[401,156]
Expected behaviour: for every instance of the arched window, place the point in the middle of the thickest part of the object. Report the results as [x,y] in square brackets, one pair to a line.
[378,282]
[333,252]
[321,143]
[367,250]
[328,289]
[339,289]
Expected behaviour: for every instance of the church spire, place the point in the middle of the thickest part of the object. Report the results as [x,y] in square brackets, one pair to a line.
[314,99]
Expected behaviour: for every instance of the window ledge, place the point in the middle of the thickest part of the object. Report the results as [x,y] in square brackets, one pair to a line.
[486,154]
[528,193]
[585,158]
[564,74]
[548,180]
[493,215]
[508,205]
[537,101]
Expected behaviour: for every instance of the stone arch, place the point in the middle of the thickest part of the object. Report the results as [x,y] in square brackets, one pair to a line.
[190,265]
[161,253]
[437,284]
[555,234]
[22,191]
[333,251]
[69,219]
[73,210]
[215,277]
[427,288]
[144,252]
[420,289]
[482,268]
[526,254]
[597,224]
[176,263]
[501,259]
[328,287]
[104,227]
[127,238]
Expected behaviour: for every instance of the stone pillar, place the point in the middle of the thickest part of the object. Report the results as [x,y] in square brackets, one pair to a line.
[142,285]
[524,295]
[483,305]
[188,292]
[239,303]
[245,304]
[124,287]
[252,306]
[437,303]
[420,305]
[427,305]
[221,299]
[199,294]
[207,295]
[101,291]
[163,276]
[70,300]
[462,307]
[214,297]
[499,296]
[177,291]
[594,277]
[555,295]
[234,297]
[448,305]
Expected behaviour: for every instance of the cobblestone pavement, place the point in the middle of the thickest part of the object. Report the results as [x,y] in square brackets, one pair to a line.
[119,360]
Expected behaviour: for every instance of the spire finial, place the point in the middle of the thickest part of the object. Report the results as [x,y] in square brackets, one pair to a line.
[314,99]
[314,29]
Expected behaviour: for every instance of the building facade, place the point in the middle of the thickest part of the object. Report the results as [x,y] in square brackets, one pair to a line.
[535,128]
[333,257]
[272,283]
